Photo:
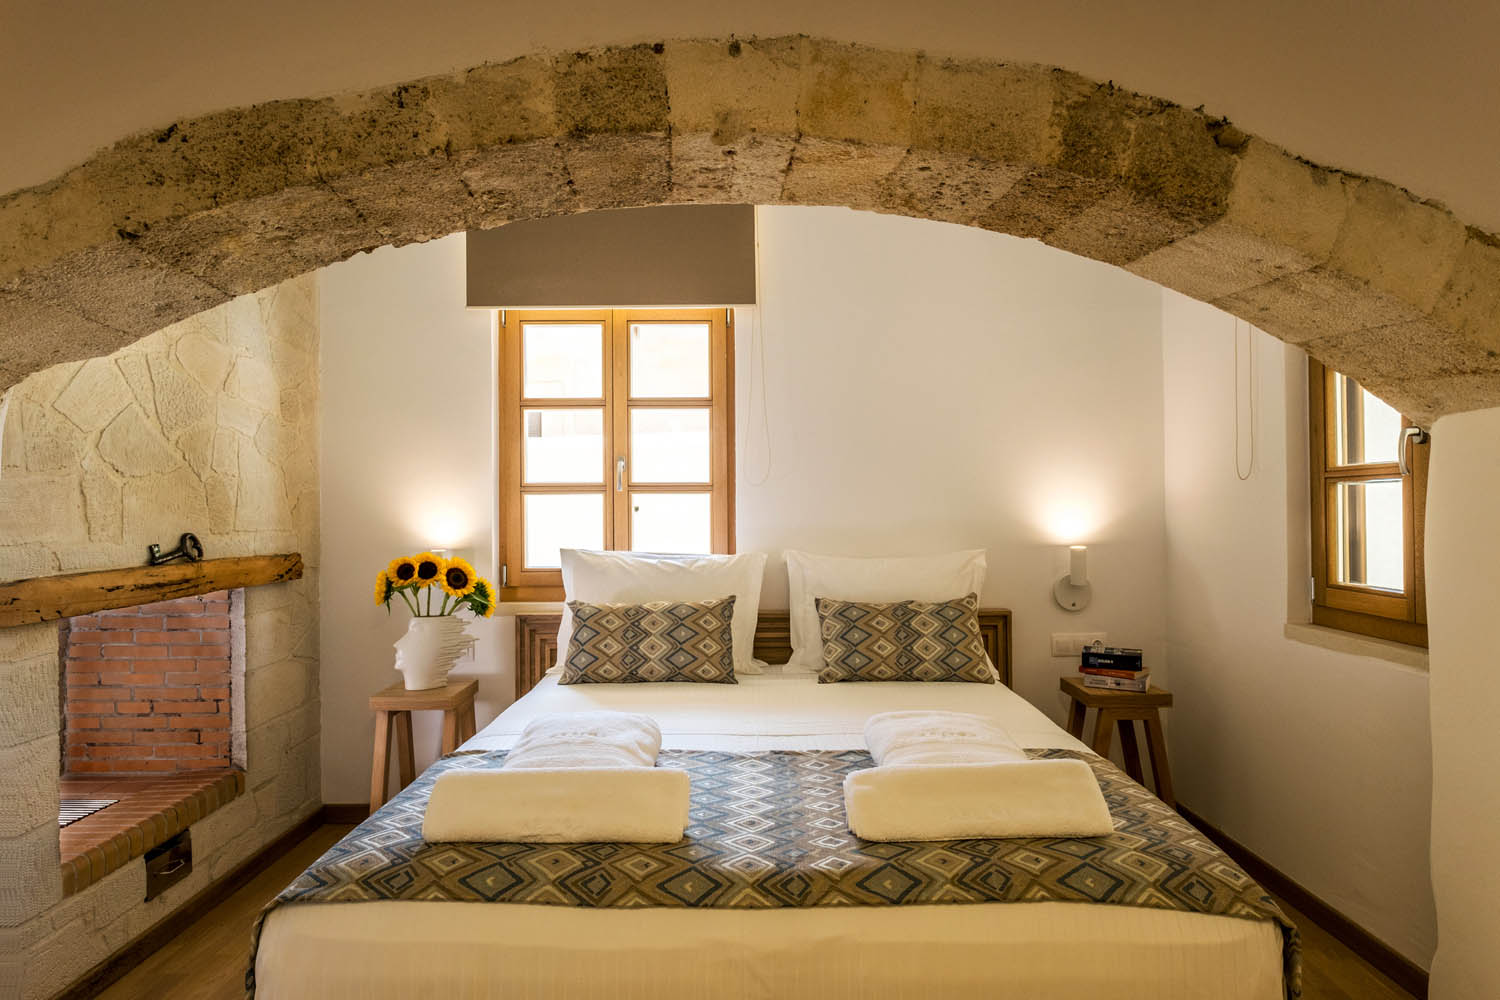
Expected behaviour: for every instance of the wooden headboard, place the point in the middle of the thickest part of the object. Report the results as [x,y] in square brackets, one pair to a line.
[536,642]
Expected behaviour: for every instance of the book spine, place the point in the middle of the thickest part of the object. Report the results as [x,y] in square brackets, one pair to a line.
[1115,684]
[1128,675]
[1112,661]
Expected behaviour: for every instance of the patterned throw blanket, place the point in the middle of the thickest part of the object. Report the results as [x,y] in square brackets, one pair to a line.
[768,830]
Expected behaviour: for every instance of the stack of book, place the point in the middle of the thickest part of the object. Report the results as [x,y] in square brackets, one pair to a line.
[1114,669]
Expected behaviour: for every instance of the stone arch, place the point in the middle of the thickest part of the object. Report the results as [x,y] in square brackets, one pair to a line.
[160,226]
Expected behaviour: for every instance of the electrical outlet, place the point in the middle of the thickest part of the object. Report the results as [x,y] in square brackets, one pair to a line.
[1072,643]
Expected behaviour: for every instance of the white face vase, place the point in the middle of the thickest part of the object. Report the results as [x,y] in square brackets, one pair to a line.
[417,655]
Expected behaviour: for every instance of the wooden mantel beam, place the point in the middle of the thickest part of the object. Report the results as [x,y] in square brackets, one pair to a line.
[48,598]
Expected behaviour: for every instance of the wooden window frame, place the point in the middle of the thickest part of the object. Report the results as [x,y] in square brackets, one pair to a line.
[521,584]
[1350,607]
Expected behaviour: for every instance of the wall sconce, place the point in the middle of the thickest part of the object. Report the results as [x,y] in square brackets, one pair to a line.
[1073,592]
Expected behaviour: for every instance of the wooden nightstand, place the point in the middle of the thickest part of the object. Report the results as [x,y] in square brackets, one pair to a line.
[393,708]
[1124,709]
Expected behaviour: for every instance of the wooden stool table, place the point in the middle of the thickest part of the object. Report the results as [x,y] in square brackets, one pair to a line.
[393,708]
[1124,709]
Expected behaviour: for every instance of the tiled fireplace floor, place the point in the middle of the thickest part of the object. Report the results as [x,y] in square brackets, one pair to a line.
[151,809]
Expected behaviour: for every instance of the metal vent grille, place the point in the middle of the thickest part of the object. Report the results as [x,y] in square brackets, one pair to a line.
[73,810]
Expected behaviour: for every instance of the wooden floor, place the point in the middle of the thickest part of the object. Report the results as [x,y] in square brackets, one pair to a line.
[207,962]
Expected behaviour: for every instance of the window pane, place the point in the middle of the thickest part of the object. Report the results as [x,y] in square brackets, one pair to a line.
[561,521]
[671,522]
[1371,537]
[669,360]
[669,446]
[1367,428]
[562,360]
[564,446]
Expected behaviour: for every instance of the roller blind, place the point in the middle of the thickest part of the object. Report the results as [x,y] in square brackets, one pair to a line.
[671,255]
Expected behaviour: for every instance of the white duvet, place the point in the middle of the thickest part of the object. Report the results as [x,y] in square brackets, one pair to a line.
[1025,951]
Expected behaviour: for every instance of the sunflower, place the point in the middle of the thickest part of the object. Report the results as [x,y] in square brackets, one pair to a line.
[429,568]
[482,599]
[458,578]
[402,571]
[383,587]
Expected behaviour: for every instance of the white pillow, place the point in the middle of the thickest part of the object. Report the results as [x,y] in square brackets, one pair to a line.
[895,578]
[636,577]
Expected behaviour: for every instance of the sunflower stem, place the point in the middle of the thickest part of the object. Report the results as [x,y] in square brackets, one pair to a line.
[410,606]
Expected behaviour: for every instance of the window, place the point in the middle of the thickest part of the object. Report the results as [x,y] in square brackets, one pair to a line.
[617,432]
[1368,505]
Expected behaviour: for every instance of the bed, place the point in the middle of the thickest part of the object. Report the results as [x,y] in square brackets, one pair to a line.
[1040,950]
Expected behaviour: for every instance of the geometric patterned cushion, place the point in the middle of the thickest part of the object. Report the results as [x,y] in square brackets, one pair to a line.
[658,641]
[902,641]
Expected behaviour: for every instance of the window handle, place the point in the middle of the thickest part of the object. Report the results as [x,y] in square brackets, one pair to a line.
[620,475]
[1408,435]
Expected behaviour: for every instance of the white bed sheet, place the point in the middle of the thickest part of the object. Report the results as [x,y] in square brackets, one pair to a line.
[1035,951]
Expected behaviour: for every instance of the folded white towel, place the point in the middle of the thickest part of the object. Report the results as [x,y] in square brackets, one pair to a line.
[587,739]
[1034,798]
[580,777]
[916,737]
[571,805]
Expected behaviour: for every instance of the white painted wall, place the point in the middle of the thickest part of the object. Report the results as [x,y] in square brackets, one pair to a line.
[1463,596]
[408,448]
[1317,760]
[1030,418]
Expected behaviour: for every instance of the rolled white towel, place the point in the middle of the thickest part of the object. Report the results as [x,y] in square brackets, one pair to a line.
[572,805]
[917,737]
[587,739]
[1033,798]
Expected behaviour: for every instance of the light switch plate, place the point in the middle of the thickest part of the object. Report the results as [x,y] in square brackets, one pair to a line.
[1072,643]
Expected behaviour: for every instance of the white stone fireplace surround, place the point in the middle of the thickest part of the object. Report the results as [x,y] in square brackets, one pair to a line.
[210,426]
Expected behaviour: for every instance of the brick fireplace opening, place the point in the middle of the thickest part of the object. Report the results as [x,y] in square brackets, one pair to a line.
[146,690]
[151,728]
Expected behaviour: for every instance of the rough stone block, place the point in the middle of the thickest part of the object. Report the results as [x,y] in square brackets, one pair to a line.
[1097,122]
[749,171]
[1120,227]
[46,223]
[197,447]
[136,369]
[205,359]
[1470,303]
[34,855]
[506,102]
[102,500]
[21,562]
[117,286]
[180,401]
[611,90]
[159,508]
[1406,351]
[94,396]
[1426,399]
[28,700]
[51,442]
[253,381]
[826,172]
[1041,201]
[855,93]
[1315,304]
[270,635]
[408,202]
[238,415]
[253,244]
[948,188]
[1219,261]
[1288,201]
[134,446]
[729,91]
[261,501]
[506,183]
[1401,246]
[29,775]
[617,171]
[40,509]
[988,111]
[24,642]
[1175,161]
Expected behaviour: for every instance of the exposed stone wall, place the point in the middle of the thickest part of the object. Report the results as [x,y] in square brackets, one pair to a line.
[1390,288]
[210,425]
